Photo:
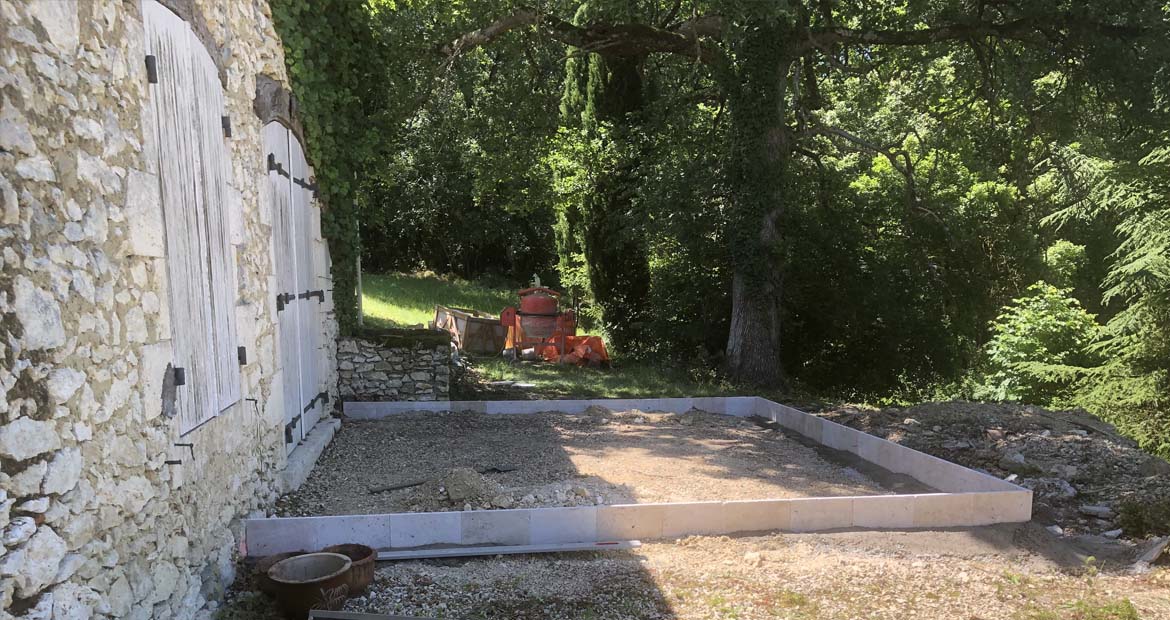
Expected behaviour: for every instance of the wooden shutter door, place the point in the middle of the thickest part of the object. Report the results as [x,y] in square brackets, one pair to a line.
[276,138]
[307,306]
[214,185]
[168,40]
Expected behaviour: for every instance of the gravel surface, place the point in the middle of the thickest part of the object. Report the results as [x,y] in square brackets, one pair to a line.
[993,573]
[555,459]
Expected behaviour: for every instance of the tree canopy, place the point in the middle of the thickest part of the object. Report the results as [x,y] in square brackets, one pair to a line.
[842,195]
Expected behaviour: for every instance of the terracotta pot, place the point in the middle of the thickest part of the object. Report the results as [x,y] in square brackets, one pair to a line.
[311,581]
[361,572]
[263,582]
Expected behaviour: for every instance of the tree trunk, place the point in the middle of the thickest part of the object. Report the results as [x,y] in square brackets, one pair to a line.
[614,247]
[759,166]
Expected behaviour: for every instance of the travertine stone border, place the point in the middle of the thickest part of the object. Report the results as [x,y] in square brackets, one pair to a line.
[968,497]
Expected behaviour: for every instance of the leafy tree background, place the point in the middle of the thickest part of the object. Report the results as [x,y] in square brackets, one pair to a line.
[928,192]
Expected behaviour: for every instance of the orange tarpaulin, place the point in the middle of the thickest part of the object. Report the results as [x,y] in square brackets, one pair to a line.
[579,350]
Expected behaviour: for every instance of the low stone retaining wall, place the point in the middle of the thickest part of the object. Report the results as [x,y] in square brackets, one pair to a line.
[395,365]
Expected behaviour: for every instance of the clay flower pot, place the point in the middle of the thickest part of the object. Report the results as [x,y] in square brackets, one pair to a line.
[361,572]
[311,581]
[263,582]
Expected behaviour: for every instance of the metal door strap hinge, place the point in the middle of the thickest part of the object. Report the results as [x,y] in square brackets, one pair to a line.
[242,355]
[180,376]
[226,122]
[288,428]
[151,69]
[271,162]
[283,299]
[320,295]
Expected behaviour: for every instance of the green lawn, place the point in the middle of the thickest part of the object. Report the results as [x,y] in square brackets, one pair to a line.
[624,380]
[403,300]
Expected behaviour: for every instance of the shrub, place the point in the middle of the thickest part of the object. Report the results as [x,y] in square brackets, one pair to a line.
[1040,347]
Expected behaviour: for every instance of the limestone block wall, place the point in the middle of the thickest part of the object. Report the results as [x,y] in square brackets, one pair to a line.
[379,369]
[105,511]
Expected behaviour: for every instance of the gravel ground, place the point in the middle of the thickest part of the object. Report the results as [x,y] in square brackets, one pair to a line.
[555,459]
[994,573]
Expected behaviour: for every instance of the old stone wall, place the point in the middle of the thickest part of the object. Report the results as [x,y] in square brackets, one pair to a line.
[369,370]
[105,511]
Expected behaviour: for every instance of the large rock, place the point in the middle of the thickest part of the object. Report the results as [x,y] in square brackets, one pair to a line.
[74,602]
[64,471]
[39,314]
[62,383]
[60,21]
[18,531]
[25,438]
[42,556]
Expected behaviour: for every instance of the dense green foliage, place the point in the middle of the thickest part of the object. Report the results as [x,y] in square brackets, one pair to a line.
[855,197]
[325,43]
[1040,347]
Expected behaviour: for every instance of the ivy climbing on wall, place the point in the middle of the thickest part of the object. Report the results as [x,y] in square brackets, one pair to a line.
[326,44]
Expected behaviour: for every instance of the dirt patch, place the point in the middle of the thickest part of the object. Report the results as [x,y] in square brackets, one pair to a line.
[993,573]
[473,461]
[1081,470]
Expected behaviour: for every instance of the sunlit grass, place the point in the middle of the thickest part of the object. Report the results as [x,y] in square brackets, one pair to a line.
[403,300]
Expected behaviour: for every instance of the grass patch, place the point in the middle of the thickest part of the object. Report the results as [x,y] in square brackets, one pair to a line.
[403,300]
[630,380]
[1088,610]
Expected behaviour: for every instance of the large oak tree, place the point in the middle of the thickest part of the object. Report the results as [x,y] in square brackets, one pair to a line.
[769,60]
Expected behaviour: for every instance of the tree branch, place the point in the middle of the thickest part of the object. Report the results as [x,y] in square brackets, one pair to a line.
[1019,29]
[685,39]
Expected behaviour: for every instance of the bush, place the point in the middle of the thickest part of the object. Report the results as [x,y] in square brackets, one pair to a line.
[1040,347]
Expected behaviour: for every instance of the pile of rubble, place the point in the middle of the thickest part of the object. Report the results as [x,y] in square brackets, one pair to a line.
[1081,470]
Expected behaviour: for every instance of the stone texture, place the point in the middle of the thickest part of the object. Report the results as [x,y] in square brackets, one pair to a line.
[41,556]
[25,438]
[85,308]
[64,471]
[39,315]
[369,372]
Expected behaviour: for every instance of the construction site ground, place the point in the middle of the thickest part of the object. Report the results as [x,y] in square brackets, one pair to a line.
[475,461]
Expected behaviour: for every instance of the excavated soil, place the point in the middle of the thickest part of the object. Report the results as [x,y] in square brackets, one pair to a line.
[476,461]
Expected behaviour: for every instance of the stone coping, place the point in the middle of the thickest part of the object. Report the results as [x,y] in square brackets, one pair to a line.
[967,497]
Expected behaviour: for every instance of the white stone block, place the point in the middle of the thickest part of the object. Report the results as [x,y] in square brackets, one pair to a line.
[370,530]
[839,437]
[757,515]
[1001,507]
[684,519]
[944,510]
[813,514]
[629,522]
[563,525]
[495,527]
[268,536]
[417,529]
[884,511]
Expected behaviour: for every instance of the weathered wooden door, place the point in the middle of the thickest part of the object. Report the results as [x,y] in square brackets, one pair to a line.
[300,293]
[186,137]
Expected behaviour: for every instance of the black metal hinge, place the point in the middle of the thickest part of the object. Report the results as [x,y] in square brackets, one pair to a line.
[242,355]
[151,69]
[283,299]
[288,428]
[180,376]
[275,165]
[320,295]
[226,123]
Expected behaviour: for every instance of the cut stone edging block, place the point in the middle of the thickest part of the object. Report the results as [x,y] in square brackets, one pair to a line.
[968,497]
